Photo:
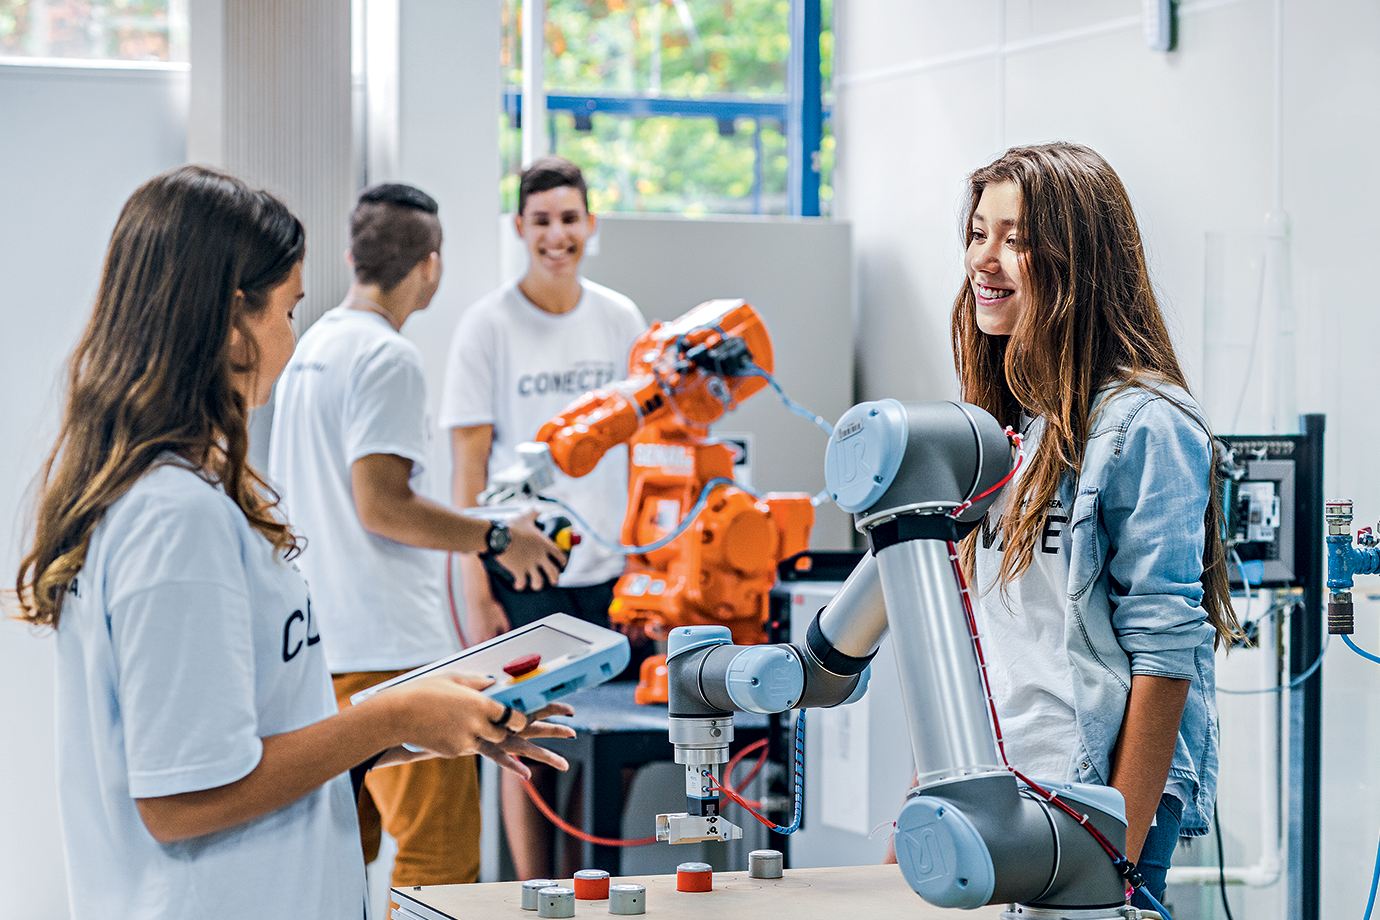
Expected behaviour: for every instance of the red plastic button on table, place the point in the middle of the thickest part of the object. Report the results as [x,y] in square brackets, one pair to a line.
[591,885]
[694,876]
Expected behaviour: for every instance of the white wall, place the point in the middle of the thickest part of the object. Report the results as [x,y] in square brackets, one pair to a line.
[795,273]
[77,142]
[923,97]
[450,100]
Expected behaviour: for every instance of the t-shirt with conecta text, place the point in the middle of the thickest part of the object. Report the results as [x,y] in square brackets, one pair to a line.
[515,366]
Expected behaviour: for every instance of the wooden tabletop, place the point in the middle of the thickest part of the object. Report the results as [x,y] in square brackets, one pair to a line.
[803,894]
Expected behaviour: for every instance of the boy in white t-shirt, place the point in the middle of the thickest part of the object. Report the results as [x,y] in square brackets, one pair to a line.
[519,356]
[348,451]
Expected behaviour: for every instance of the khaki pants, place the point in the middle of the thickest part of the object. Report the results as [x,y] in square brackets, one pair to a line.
[431,808]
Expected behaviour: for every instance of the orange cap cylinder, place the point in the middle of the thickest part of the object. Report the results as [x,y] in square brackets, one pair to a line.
[653,685]
[694,876]
[591,885]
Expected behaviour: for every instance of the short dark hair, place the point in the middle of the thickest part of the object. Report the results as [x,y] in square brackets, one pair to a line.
[547,173]
[392,228]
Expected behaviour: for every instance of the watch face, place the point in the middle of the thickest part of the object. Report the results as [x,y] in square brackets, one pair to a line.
[499,537]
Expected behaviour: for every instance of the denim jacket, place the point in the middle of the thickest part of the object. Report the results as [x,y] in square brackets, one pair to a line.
[1134,542]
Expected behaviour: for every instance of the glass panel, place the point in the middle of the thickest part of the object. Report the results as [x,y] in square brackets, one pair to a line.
[116,30]
[674,47]
[686,49]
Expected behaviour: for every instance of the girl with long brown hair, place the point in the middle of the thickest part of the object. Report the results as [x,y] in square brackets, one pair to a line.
[203,767]
[1100,573]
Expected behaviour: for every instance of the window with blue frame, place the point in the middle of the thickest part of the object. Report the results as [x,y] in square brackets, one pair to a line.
[682,106]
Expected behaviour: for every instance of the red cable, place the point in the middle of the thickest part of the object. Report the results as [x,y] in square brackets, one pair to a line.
[574,831]
[740,800]
[977,646]
[645,841]
[450,596]
[1083,820]
[738,757]
[527,784]
[1016,438]
[756,768]
[1107,846]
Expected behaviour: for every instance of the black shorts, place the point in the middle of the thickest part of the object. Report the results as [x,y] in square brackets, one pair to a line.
[590,602]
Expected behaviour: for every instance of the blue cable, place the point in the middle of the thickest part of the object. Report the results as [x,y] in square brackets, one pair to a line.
[791,404]
[1374,879]
[1297,681]
[798,769]
[818,420]
[1358,650]
[1155,904]
[1293,684]
[703,499]
[656,544]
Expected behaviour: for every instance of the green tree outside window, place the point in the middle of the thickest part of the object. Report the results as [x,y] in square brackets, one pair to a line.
[676,48]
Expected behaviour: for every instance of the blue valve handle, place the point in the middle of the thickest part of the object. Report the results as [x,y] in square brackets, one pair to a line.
[1345,560]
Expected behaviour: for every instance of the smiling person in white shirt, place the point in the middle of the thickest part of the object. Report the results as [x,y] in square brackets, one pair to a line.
[519,356]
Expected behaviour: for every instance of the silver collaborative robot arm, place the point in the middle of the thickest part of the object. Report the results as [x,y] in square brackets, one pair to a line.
[710,678]
[917,477]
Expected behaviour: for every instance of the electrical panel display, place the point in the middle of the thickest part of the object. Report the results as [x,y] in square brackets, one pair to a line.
[1259,507]
[1256,512]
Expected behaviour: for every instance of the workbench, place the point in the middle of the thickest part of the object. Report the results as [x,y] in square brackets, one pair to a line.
[802,894]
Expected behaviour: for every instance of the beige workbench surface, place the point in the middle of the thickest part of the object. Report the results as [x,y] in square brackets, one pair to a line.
[803,894]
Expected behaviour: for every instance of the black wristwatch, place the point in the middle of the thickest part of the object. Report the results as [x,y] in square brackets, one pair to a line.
[498,538]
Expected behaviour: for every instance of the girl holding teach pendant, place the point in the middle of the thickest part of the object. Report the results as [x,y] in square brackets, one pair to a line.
[1099,574]
[204,770]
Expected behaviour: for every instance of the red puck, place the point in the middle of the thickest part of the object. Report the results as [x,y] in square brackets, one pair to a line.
[694,876]
[591,885]
[520,666]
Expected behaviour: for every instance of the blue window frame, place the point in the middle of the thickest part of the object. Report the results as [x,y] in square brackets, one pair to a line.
[783,132]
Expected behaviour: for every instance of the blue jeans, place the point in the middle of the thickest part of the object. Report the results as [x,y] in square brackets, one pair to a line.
[1158,850]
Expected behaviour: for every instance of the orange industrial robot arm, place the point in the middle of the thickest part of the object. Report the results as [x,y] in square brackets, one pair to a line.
[718,567]
[694,369]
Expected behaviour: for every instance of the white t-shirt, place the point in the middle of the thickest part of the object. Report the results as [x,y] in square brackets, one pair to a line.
[183,641]
[355,387]
[1022,631]
[514,366]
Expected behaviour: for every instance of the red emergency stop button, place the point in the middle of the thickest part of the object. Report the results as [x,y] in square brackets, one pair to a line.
[521,667]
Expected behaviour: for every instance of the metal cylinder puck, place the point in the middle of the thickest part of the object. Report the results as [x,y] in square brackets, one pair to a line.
[556,902]
[764,864]
[627,899]
[694,876]
[530,889]
[591,885]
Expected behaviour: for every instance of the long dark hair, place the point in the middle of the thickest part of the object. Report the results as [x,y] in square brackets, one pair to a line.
[1091,322]
[193,254]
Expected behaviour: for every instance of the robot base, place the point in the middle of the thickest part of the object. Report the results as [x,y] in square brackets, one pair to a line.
[986,840]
